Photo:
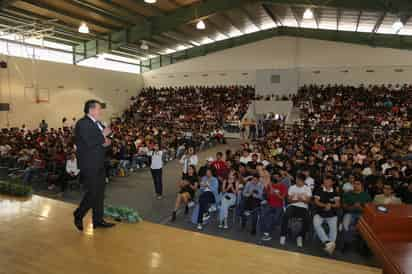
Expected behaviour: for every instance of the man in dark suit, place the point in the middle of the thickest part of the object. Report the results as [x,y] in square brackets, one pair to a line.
[91,142]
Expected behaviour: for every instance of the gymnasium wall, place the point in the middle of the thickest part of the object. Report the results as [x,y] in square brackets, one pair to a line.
[65,86]
[312,61]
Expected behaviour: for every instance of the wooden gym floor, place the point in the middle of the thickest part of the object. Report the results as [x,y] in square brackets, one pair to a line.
[37,236]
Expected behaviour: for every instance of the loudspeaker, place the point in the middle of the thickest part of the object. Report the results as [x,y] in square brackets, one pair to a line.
[4,106]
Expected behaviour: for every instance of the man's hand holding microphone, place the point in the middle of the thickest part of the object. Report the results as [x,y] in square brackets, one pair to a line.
[107,135]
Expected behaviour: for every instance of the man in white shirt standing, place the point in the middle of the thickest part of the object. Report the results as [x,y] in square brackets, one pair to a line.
[156,169]
[299,196]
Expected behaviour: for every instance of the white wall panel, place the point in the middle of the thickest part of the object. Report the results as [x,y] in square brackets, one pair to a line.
[316,62]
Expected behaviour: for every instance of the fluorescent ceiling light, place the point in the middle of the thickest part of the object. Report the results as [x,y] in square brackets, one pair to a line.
[308,14]
[83,28]
[150,1]
[201,25]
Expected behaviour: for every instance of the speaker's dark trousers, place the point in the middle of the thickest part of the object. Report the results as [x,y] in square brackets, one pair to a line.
[94,182]
[157,180]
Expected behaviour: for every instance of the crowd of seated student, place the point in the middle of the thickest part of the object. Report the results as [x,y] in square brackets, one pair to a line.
[317,172]
[49,154]
[367,107]
[173,118]
[39,152]
[200,109]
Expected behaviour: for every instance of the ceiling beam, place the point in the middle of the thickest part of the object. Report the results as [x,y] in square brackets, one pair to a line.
[296,16]
[217,27]
[177,37]
[360,38]
[152,8]
[379,22]
[63,33]
[358,21]
[122,11]
[68,13]
[317,14]
[102,12]
[339,13]
[272,15]
[6,3]
[247,14]
[18,14]
[183,15]
[231,22]
[398,6]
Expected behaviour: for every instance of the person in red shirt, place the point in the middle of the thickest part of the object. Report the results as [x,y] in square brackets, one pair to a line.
[220,166]
[275,195]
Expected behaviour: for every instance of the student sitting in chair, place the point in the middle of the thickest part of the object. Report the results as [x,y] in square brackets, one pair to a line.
[327,201]
[299,196]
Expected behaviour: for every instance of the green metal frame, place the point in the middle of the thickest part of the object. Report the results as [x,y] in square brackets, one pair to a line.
[168,22]
[367,39]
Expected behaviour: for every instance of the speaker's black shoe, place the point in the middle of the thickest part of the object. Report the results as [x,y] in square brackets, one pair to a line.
[78,222]
[103,224]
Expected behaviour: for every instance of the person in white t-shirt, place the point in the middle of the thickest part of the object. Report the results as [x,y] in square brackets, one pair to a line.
[309,181]
[156,166]
[189,159]
[246,157]
[299,196]
[72,171]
